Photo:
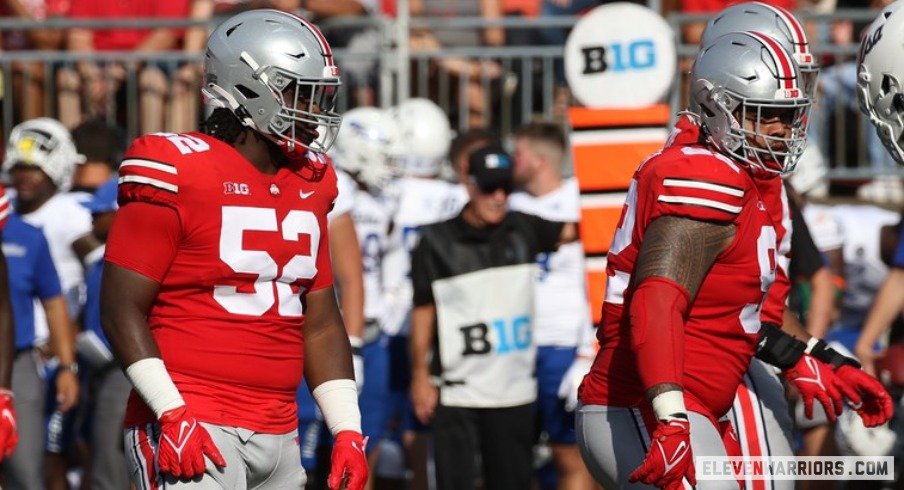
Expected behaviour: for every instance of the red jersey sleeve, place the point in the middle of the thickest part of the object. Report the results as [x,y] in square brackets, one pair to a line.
[144,238]
[695,183]
[149,172]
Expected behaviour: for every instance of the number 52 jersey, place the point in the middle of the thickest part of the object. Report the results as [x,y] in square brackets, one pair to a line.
[721,326]
[247,248]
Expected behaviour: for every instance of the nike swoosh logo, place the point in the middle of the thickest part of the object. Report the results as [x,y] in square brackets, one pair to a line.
[185,425]
[679,453]
[305,195]
[8,415]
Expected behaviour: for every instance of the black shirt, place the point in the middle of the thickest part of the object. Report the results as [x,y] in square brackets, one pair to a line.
[454,247]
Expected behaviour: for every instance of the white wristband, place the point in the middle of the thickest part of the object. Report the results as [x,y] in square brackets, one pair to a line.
[338,402]
[811,344]
[668,403]
[153,383]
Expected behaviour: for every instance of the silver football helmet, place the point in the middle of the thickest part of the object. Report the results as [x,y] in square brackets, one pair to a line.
[743,79]
[275,71]
[367,146]
[46,144]
[880,78]
[772,21]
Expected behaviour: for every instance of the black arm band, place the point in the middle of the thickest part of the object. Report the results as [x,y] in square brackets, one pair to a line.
[828,355]
[778,348]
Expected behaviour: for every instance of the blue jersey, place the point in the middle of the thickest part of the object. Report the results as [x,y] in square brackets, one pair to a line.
[32,275]
[92,303]
[898,259]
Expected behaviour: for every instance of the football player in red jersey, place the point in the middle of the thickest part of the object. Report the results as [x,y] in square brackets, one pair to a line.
[217,292]
[9,433]
[689,268]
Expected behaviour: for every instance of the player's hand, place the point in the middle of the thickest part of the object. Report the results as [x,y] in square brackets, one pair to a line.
[183,444]
[424,397]
[9,431]
[568,388]
[866,394]
[348,461]
[66,390]
[816,381]
[670,458]
[357,344]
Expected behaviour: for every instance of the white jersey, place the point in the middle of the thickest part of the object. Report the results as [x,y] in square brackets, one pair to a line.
[372,218]
[421,202]
[63,220]
[824,226]
[561,308]
[864,270]
[345,200]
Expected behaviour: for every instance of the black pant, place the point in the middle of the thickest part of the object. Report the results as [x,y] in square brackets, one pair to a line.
[503,437]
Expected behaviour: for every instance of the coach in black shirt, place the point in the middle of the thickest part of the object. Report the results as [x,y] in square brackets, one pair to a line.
[471,341]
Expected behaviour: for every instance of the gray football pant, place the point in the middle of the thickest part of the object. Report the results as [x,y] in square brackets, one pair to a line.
[761,418]
[25,469]
[253,461]
[108,462]
[614,441]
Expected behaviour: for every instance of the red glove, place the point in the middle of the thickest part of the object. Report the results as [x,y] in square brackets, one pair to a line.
[349,461]
[815,380]
[9,432]
[867,395]
[670,459]
[183,444]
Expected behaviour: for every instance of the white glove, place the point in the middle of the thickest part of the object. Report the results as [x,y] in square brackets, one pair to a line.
[357,361]
[568,389]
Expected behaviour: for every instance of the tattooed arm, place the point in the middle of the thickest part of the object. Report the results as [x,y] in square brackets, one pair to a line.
[675,257]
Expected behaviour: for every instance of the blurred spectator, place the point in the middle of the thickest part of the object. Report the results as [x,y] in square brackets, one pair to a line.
[101,83]
[463,145]
[102,146]
[29,78]
[476,73]
[231,7]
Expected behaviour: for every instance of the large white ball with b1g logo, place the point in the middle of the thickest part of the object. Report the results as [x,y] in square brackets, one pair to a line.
[620,55]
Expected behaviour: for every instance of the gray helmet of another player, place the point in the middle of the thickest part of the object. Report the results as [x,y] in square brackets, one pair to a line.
[880,78]
[772,21]
[275,71]
[748,76]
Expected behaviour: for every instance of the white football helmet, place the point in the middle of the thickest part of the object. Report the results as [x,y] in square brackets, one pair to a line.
[772,21]
[366,147]
[272,69]
[46,144]
[880,77]
[425,134]
[855,439]
[749,76]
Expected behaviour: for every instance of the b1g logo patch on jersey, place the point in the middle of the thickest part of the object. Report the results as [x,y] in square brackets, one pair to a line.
[511,334]
[230,188]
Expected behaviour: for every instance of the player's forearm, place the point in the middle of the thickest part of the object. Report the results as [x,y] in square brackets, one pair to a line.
[62,333]
[348,270]
[822,303]
[7,331]
[422,319]
[889,303]
[791,325]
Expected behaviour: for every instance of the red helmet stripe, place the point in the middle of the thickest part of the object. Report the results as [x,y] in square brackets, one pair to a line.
[324,45]
[799,38]
[782,60]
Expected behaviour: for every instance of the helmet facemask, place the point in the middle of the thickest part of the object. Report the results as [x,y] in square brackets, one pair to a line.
[725,118]
[889,103]
[302,102]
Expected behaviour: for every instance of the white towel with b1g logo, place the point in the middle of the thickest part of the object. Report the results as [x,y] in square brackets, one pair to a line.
[485,337]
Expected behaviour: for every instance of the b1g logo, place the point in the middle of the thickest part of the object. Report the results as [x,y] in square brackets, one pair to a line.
[619,57]
[512,335]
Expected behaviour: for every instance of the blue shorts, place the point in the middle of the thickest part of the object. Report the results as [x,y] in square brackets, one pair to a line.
[552,363]
[400,405]
[373,402]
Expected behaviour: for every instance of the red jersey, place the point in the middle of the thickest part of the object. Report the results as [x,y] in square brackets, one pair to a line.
[720,336]
[5,208]
[772,191]
[228,315]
